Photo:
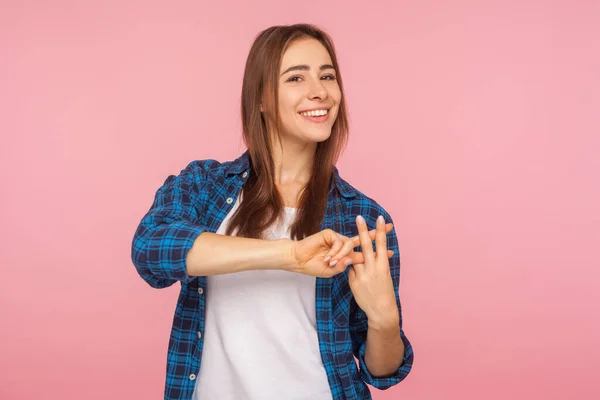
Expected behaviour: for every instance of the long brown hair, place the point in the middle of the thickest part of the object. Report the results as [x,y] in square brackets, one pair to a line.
[262,203]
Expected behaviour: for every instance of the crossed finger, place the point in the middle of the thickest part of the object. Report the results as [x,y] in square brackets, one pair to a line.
[344,249]
[380,238]
[365,241]
[371,258]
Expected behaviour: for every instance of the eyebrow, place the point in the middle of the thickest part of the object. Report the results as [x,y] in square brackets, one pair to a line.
[305,67]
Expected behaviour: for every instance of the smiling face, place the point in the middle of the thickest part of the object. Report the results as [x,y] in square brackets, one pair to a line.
[309,95]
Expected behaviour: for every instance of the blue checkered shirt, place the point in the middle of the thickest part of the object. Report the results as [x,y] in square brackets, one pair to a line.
[198,200]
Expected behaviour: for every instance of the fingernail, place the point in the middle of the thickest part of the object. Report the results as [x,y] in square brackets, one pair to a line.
[331,264]
[380,220]
[360,219]
[327,259]
[347,262]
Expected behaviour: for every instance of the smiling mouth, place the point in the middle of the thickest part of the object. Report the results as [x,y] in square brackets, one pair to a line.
[316,116]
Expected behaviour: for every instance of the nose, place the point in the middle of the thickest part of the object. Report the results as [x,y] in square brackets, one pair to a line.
[317,90]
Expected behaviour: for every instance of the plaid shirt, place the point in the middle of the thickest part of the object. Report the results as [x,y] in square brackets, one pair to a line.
[198,200]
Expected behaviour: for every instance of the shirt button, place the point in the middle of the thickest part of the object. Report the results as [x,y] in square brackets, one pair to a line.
[245,174]
[200,290]
[229,200]
[199,335]
[192,377]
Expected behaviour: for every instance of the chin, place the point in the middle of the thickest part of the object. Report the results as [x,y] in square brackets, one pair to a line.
[319,139]
[316,138]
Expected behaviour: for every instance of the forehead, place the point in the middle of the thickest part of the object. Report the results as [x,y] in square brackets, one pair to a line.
[305,51]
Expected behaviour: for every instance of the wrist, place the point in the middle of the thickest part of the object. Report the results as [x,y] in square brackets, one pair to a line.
[386,323]
[287,254]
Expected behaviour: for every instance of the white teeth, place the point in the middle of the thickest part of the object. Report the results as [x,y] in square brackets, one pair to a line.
[314,113]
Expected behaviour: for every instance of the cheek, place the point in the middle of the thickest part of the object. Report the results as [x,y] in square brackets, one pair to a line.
[287,105]
[336,93]
[287,112]
[338,98]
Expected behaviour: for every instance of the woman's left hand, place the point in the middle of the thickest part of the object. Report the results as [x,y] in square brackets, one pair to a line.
[371,282]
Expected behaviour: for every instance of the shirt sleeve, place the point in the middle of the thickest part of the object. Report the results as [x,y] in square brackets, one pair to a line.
[359,327]
[167,232]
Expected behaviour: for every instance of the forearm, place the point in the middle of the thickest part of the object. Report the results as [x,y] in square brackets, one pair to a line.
[384,349]
[215,254]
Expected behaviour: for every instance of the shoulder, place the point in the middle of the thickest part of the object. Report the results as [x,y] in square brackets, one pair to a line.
[361,204]
[212,169]
[205,166]
[203,170]
[369,209]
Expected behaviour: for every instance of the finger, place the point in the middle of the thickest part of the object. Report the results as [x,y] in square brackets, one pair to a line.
[338,268]
[372,234]
[380,238]
[365,240]
[358,258]
[358,269]
[335,248]
[329,272]
[345,251]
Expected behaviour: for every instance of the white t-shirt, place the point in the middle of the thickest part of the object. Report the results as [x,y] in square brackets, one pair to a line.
[260,338]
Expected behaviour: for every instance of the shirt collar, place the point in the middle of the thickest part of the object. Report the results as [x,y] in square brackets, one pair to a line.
[242,164]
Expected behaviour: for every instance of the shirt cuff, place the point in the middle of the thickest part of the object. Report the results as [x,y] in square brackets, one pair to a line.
[388,381]
[167,249]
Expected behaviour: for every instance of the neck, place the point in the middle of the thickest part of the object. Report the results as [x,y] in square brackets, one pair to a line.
[293,161]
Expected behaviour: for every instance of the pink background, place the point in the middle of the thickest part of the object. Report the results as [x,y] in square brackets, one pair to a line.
[475,123]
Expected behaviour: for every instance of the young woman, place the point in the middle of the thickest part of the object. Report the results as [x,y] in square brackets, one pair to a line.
[274,300]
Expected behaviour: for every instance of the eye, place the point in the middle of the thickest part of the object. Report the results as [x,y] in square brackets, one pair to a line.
[296,78]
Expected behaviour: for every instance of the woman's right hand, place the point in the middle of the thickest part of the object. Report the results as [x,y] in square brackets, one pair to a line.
[313,254]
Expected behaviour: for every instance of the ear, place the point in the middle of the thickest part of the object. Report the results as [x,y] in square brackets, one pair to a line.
[262,108]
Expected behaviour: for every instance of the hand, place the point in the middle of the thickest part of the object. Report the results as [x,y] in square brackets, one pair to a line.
[371,281]
[328,253]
